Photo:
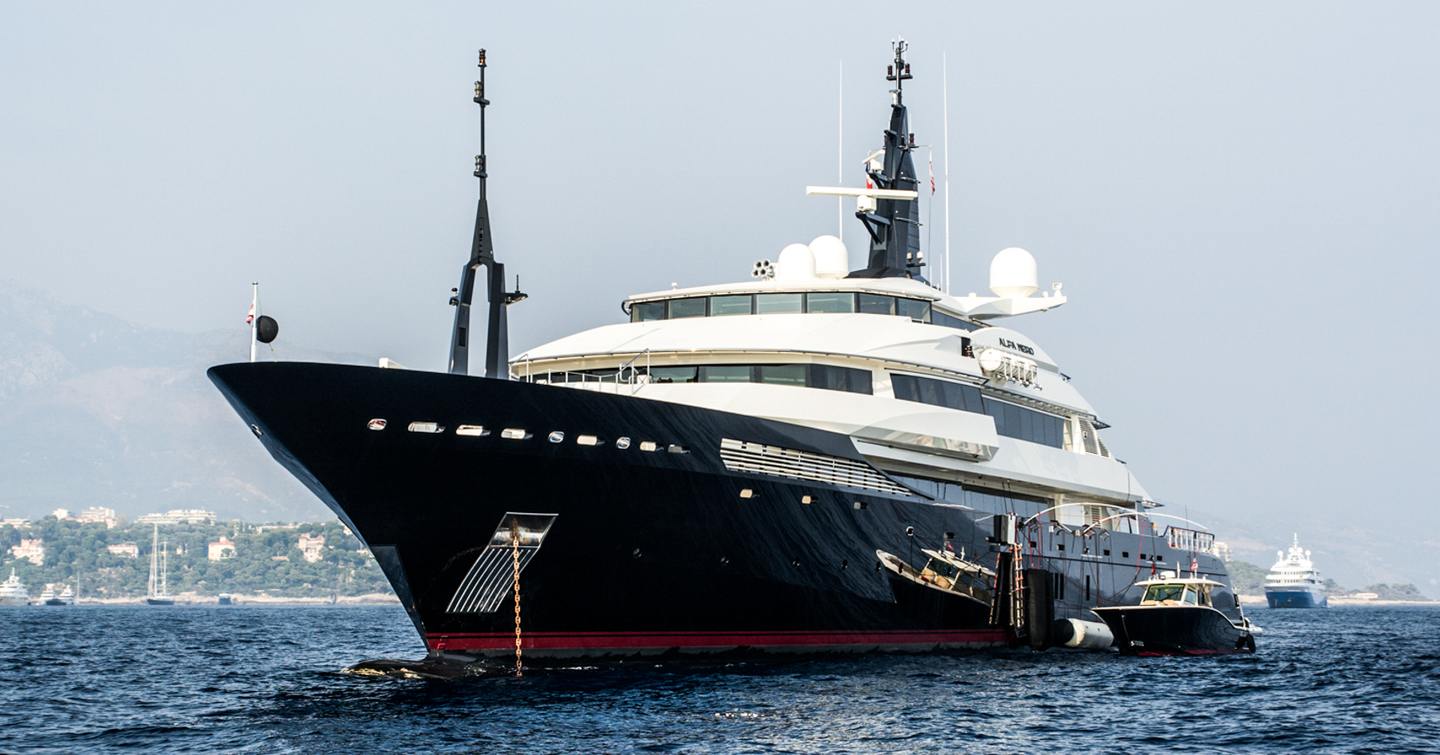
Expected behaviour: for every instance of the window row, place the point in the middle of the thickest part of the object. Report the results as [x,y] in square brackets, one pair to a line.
[803,375]
[794,303]
[1011,420]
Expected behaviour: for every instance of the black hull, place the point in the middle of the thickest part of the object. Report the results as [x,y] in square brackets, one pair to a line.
[1175,630]
[649,552]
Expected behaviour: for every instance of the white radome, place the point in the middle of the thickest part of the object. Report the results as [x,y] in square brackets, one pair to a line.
[795,263]
[1013,273]
[832,259]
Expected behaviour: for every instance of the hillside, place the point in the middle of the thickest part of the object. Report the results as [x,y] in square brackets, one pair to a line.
[96,411]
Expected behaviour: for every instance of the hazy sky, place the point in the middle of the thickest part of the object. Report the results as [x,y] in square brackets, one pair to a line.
[1242,199]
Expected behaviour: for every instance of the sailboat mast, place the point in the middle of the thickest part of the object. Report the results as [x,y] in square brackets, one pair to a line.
[164,567]
[154,558]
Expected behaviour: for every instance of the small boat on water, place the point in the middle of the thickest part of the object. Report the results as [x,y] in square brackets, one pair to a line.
[225,599]
[1176,616]
[13,592]
[65,597]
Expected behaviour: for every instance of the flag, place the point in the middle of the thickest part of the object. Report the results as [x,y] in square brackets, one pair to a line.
[1194,565]
[932,174]
[250,318]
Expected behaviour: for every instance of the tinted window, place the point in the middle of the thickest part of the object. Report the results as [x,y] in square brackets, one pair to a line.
[672,374]
[830,302]
[840,379]
[766,304]
[950,321]
[784,374]
[693,307]
[914,309]
[906,387]
[725,373]
[729,305]
[648,310]
[875,304]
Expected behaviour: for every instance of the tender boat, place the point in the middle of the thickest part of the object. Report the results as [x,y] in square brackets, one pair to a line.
[1178,616]
[65,597]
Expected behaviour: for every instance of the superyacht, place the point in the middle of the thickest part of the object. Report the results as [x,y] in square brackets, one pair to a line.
[1293,581]
[817,458]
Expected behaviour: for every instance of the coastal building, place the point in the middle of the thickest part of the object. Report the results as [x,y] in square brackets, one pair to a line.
[179,516]
[60,514]
[124,550]
[98,515]
[16,522]
[30,549]
[220,550]
[312,547]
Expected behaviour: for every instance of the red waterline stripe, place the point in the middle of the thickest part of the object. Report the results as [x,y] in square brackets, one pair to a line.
[602,640]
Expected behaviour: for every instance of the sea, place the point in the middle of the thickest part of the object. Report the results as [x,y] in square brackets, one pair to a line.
[273,679]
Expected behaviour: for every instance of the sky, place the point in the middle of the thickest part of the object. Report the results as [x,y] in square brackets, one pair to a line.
[1242,200]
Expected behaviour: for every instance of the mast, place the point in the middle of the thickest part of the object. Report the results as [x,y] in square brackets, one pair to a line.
[154,558]
[945,165]
[164,567]
[894,224]
[482,254]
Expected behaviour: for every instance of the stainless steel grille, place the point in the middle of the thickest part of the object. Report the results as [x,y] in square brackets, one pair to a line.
[757,458]
[490,579]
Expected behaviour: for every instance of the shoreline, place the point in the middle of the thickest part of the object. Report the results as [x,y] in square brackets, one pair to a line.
[367,599]
[1340,601]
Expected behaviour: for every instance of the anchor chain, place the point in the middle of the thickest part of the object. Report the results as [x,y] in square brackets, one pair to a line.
[515,560]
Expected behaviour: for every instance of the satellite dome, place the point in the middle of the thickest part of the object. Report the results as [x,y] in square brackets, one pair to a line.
[1013,274]
[832,259]
[795,263]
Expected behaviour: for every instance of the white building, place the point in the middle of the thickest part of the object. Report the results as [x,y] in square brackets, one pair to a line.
[98,515]
[30,549]
[124,550]
[312,547]
[61,514]
[179,516]
[220,550]
[16,522]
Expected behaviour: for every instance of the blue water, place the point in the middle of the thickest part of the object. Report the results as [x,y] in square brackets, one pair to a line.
[270,680]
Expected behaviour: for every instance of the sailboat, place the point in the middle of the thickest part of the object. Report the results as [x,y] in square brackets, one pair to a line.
[157,595]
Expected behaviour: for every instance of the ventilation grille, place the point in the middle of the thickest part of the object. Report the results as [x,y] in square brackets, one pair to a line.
[757,458]
[492,576]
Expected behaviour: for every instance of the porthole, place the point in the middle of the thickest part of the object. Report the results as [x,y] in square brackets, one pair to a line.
[747,493]
[859,505]
[622,442]
[376,424]
[426,427]
[472,431]
[514,433]
[587,440]
[676,448]
[649,446]
[807,499]
[557,436]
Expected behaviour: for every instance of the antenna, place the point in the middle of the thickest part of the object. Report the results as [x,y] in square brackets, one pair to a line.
[945,156]
[482,254]
[840,152]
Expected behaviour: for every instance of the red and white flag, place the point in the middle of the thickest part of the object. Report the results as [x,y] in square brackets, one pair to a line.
[250,318]
[932,174]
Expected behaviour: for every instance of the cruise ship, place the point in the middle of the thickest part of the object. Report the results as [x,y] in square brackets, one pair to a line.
[823,456]
[1293,581]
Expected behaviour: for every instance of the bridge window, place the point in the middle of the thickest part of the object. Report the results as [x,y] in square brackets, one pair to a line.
[829,301]
[725,373]
[647,310]
[916,310]
[875,304]
[777,304]
[691,307]
[672,374]
[730,305]
[781,374]
[951,321]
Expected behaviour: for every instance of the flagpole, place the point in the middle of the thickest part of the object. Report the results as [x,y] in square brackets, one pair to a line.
[945,158]
[254,318]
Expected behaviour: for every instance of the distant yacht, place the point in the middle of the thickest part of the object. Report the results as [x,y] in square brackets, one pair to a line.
[13,592]
[157,595]
[1293,581]
[65,597]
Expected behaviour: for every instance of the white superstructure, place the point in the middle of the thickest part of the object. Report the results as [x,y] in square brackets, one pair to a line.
[1294,572]
[13,592]
[924,383]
